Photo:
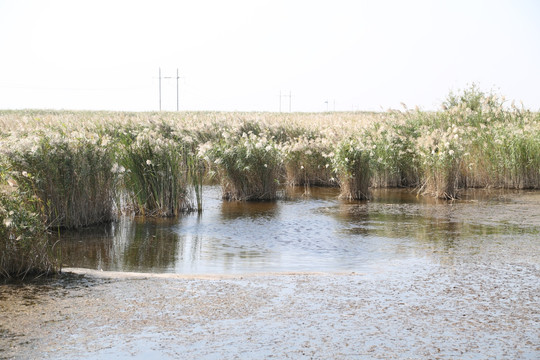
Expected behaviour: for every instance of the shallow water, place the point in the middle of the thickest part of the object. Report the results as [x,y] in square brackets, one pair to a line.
[400,277]
[314,231]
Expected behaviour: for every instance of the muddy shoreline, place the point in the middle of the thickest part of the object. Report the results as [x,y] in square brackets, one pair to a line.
[469,311]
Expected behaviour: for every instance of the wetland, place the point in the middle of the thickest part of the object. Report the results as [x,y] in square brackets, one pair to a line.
[307,276]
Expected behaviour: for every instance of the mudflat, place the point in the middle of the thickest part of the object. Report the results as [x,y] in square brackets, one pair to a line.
[406,310]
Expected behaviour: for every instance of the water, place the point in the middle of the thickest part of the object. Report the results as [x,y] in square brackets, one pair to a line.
[404,277]
[314,231]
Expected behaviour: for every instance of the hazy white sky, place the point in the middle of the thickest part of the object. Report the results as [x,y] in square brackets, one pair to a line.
[239,54]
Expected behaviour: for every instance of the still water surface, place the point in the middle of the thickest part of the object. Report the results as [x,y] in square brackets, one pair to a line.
[315,231]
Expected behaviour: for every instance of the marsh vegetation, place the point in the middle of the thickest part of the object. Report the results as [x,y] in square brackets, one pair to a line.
[62,169]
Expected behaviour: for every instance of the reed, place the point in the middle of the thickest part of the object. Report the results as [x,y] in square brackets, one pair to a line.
[156,165]
[351,162]
[161,158]
[502,142]
[394,161]
[307,163]
[248,166]
[441,152]
[24,249]
[513,158]
[69,173]
[73,169]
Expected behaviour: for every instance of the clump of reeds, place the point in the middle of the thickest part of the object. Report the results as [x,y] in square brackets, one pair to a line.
[497,146]
[70,175]
[441,151]
[394,161]
[509,155]
[306,162]
[248,165]
[502,142]
[351,163]
[159,171]
[24,249]
[69,168]
[442,182]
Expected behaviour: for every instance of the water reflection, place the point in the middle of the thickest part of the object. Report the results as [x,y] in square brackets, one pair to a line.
[312,231]
[132,244]
[231,210]
[444,230]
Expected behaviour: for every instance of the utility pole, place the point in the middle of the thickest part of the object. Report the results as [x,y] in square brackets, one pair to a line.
[159,89]
[290,97]
[281,96]
[177,88]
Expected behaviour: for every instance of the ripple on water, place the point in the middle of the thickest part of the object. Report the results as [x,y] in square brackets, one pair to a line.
[315,232]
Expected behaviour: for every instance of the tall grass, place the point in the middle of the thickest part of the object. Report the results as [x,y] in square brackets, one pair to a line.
[306,161]
[394,159]
[69,173]
[477,140]
[156,166]
[81,168]
[441,152]
[248,165]
[24,249]
[352,165]
[512,157]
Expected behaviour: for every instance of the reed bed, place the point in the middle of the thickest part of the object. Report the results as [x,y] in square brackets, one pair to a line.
[24,249]
[69,173]
[82,168]
[352,166]
[247,165]
[307,161]
[155,165]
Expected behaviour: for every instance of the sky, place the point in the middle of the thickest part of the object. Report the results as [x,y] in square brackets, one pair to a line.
[240,55]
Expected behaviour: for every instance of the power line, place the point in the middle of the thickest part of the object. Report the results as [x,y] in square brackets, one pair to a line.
[177,88]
